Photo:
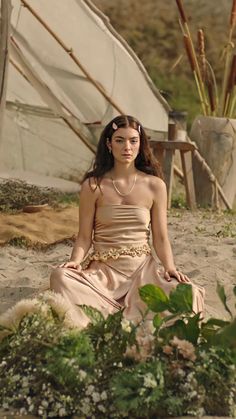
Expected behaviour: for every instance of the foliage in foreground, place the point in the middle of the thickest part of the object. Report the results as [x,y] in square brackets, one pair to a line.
[175,365]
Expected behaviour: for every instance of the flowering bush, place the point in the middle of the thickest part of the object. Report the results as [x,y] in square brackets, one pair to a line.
[175,365]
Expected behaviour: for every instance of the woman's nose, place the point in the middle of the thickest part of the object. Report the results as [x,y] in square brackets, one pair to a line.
[127,145]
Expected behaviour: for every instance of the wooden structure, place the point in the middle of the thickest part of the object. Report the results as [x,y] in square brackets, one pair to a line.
[5,13]
[164,151]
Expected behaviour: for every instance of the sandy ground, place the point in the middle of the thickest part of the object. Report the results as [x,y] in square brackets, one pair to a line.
[203,242]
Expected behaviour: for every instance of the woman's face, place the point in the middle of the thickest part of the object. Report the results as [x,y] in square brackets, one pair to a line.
[125,144]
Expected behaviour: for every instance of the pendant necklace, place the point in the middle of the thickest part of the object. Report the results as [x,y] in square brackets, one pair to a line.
[124,194]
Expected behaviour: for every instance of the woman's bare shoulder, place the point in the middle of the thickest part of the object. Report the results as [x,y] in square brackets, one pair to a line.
[154,182]
[90,186]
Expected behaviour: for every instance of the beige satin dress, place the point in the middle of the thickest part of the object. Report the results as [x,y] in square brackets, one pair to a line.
[120,263]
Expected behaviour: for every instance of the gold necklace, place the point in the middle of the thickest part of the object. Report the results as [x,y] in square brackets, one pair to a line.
[124,194]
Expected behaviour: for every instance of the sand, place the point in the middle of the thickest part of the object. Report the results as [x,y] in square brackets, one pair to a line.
[203,242]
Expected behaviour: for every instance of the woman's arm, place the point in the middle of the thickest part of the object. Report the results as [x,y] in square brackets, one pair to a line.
[83,241]
[161,241]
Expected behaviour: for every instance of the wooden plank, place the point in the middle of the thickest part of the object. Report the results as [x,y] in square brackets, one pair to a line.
[159,154]
[173,145]
[186,159]
[168,170]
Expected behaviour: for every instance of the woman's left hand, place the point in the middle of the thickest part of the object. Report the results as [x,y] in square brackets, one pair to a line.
[170,273]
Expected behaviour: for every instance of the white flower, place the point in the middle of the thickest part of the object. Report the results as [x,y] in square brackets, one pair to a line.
[180,372]
[25,382]
[82,374]
[96,397]
[149,380]
[85,408]
[125,325]
[62,412]
[101,408]
[23,411]
[89,390]
[13,316]
[104,395]
[31,408]
[142,391]
[58,303]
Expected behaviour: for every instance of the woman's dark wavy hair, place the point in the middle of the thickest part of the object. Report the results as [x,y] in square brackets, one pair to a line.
[104,161]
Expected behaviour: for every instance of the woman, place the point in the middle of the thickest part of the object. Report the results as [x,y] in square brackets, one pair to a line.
[122,200]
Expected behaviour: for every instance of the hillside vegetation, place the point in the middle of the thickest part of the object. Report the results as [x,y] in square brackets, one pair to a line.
[151,28]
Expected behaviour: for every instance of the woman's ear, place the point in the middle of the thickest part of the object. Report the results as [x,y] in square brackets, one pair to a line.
[109,145]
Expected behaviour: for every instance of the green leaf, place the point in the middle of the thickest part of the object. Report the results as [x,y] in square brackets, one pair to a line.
[181,299]
[157,321]
[192,330]
[177,329]
[215,322]
[208,333]
[227,336]
[154,297]
[93,314]
[221,292]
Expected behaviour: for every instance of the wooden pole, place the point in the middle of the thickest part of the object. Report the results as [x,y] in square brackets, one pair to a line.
[4,55]
[73,57]
[47,95]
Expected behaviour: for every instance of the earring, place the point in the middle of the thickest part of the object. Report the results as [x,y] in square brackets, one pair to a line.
[109,150]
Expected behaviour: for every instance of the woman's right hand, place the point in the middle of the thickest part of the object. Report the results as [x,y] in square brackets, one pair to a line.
[71,264]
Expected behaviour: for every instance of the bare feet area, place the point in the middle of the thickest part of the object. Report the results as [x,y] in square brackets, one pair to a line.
[203,242]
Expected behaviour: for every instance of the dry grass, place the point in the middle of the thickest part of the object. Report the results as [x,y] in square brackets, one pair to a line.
[16,194]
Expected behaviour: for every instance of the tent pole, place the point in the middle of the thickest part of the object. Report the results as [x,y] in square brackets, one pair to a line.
[47,95]
[73,56]
[4,55]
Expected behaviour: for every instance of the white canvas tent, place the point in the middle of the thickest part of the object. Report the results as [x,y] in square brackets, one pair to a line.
[69,74]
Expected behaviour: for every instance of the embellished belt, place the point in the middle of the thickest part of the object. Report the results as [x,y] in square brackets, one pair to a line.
[115,253]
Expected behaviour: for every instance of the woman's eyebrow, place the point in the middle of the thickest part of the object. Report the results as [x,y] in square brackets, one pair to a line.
[123,138]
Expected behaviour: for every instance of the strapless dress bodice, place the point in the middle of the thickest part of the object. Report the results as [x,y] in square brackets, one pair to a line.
[120,230]
[119,225]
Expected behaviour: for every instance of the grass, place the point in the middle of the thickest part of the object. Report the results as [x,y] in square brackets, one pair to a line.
[16,194]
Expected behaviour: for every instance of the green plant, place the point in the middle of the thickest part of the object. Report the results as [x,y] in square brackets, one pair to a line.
[203,73]
[172,365]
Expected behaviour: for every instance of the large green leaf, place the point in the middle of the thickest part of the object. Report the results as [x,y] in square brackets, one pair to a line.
[192,330]
[227,336]
[177,329]
[93,314]
[181,299]
[221,292]
[154,297]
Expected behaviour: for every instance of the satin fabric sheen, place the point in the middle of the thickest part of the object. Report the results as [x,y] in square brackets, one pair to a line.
[113,283]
